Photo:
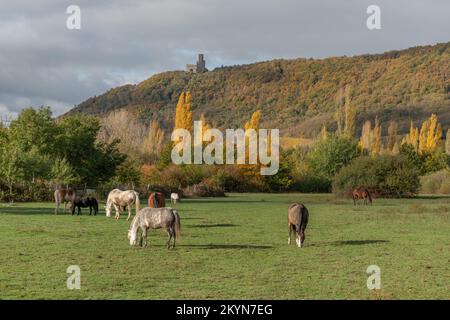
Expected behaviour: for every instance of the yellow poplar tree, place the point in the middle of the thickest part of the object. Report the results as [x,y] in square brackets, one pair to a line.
[324,132]
[366,135]
[432,133]
[339,110]
[183,113]
[447,143]
[423,136]
[350,113]
[254,121]
[392,135]
[375,148]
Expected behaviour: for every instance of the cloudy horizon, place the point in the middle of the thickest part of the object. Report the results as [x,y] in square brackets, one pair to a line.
[45,63]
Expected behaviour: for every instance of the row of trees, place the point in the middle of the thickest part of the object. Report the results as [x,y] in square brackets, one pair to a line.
[38,153]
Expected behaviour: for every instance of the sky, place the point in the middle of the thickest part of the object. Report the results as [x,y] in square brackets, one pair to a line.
[42,62]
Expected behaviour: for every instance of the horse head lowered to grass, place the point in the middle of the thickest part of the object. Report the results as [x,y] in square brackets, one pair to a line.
[298,217]
[155,218]
[122,199]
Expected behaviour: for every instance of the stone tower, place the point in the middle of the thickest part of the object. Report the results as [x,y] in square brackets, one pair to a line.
[199,67]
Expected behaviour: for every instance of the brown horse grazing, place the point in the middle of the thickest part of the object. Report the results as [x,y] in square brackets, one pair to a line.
[156,200]
[298,217]
[361,193]
[64,195]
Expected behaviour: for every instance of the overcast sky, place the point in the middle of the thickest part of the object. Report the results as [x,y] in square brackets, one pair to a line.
[42,62]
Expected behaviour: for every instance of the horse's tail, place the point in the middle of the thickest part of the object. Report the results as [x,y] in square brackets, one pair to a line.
[177,224]
[137,202]
[369,196]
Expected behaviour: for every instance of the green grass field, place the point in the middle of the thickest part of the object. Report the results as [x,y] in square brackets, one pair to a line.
[233,248]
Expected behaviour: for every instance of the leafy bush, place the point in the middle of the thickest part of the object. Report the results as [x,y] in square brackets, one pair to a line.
[436,183]
[331,154]
[384,175]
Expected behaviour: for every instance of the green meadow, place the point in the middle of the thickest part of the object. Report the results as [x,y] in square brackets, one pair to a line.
[233,248]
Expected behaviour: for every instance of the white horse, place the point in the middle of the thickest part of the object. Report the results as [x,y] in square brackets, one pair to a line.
[119,199]
[174,197]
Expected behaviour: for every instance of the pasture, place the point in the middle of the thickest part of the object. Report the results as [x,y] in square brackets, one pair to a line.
[233,248]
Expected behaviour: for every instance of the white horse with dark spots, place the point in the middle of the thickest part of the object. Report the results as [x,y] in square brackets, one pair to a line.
[298,217]
[155,218]
[122,199]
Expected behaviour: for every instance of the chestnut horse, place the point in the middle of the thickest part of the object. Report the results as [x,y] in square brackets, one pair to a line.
[156,200]
[361,193]
[64,195]
[298,217]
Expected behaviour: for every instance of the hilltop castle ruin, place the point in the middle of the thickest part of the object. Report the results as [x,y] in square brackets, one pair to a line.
[199,67]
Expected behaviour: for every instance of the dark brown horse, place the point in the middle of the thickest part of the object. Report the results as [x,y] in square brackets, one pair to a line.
[298,217]
[64,195]
[156,200]
[361,193]
[88,202]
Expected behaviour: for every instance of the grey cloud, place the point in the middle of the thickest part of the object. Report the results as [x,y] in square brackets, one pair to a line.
[126,41]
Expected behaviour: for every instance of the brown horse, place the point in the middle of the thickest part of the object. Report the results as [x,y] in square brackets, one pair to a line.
[64,195]
[156,200]
[361,193]
[298,217]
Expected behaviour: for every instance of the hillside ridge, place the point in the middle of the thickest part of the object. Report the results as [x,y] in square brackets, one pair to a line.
[298,95]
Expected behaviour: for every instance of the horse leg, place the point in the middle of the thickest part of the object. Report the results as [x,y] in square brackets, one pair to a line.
[129,212]
[144,235]
[65,206]
[298,238]
[169,234]
[290,231]
[302,237]
[117,216]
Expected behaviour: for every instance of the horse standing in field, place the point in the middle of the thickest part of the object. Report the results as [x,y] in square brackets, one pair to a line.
[85,203]
[174,198]
[156,200]
[155,218]
[122,199]
[64,195]
[361,193]
[298,217]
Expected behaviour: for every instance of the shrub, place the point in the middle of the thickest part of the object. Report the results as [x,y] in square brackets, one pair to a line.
[331,154]
[436,183]
[385,175]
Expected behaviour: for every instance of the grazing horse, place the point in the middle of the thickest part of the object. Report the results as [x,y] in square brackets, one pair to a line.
[361,193]
[64,195]
[155,218]
[298,217]
[156,200]
[85,203]
[174,198]
[122,199]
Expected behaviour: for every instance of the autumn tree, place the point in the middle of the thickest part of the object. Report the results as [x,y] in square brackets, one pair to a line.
[254,121]
[350,113]
[392,135]
[365,141]
[430,134]
[154,140]
[324,132]
[447,143]
[338,115]
[375,147]
[183,112]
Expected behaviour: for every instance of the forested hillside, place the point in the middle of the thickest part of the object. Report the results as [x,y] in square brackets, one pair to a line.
[298,96]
